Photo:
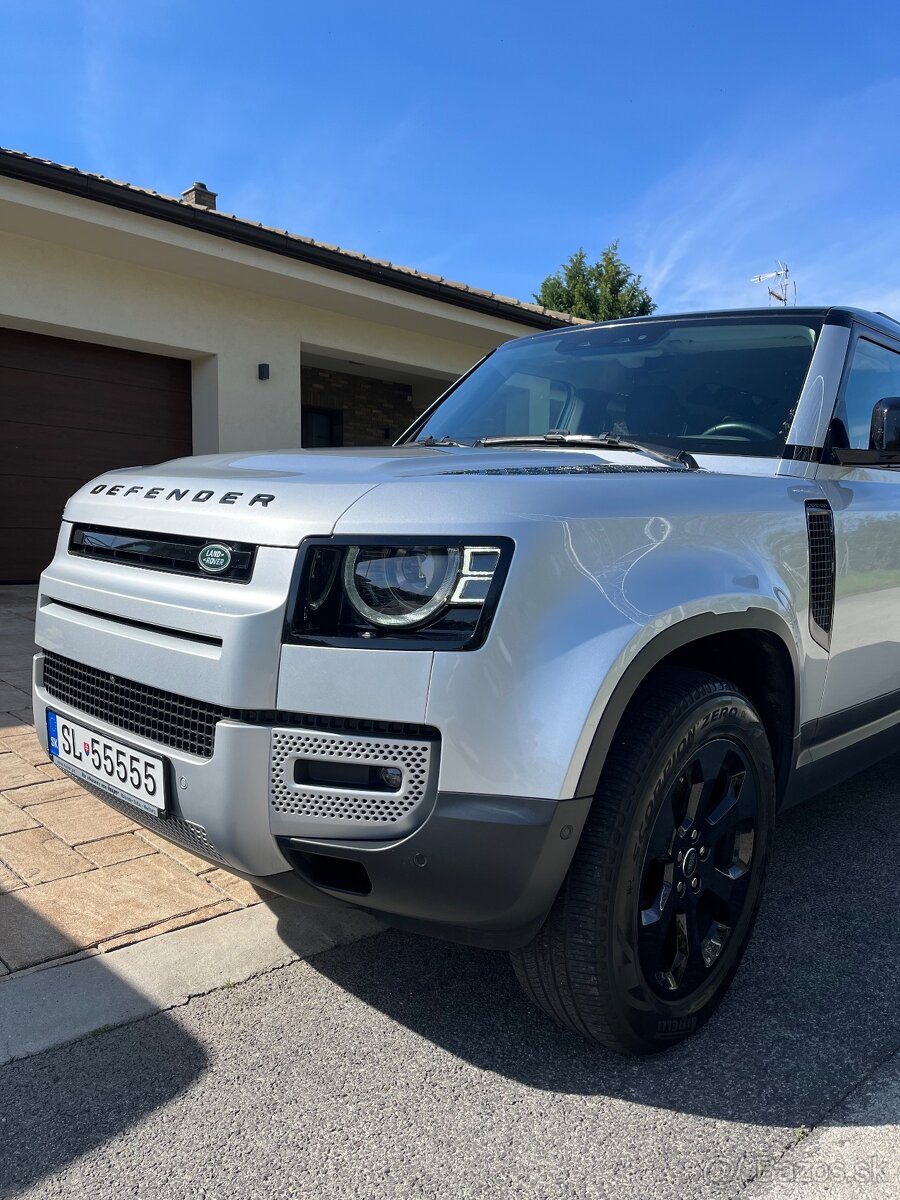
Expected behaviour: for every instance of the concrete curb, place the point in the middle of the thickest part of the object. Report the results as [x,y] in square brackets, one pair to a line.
[48,1008]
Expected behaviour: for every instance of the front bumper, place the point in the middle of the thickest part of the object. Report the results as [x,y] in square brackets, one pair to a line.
[479,869]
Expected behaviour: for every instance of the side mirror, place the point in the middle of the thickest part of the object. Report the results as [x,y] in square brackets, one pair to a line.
[884,431]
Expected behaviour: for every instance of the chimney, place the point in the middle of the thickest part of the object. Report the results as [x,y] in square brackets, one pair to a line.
[199,194]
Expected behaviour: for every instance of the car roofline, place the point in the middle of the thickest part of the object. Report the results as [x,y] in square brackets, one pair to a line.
[828,314]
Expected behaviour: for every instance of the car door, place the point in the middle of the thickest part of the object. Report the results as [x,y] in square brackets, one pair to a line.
[862,684]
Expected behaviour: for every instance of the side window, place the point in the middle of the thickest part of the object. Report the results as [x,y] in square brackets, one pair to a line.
[874,374]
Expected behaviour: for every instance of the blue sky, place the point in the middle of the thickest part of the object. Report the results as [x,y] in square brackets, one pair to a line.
[484,140]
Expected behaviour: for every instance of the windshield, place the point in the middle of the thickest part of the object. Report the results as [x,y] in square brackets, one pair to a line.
[723,385]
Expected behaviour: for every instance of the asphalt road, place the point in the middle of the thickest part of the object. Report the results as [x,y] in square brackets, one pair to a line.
[401,1067]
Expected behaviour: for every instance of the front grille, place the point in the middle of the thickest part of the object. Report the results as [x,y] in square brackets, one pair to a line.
[186,833]
[180,722]
[161,551]
[163,717]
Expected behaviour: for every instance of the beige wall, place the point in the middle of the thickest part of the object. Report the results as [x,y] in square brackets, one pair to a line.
[227,308]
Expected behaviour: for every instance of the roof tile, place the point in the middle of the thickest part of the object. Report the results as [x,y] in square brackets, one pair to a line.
[9,157]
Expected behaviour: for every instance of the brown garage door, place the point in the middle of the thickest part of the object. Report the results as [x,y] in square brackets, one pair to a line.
[68,411]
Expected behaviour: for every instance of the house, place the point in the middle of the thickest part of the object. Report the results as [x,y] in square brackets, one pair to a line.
[136,327]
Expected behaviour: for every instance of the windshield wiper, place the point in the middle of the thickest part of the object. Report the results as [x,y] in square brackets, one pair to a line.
[441,441]
[562,437]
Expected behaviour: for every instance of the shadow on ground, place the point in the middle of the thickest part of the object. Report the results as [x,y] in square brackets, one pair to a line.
[813,1008]
[59,1105]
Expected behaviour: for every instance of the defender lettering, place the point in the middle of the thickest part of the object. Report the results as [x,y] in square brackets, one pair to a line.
[201,496]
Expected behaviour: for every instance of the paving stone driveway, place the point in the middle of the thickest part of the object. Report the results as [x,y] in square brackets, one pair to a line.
[76,877]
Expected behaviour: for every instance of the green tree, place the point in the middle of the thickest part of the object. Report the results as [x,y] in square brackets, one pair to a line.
[604,291]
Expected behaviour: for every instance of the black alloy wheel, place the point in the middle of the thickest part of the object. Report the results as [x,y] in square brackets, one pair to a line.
[662,894]
[697,869]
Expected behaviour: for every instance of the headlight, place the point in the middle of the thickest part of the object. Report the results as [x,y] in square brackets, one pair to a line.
[399,586]
[404,593]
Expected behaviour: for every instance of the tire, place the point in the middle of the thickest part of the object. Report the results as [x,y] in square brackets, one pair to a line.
[641,945]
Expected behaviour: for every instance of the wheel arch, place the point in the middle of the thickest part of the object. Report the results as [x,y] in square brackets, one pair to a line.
[753,649]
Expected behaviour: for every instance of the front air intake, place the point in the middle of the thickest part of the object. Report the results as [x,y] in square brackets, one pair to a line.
[186,833]
[820,532]
[159,716]
[348,785]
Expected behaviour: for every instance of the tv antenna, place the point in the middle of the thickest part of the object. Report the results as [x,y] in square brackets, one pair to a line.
[784,291]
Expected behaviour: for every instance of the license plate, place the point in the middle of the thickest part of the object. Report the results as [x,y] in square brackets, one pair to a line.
[126,773]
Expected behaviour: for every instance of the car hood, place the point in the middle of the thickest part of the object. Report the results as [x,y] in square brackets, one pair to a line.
[279,497]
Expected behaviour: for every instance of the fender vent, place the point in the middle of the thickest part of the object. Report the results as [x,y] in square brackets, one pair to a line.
[820,531]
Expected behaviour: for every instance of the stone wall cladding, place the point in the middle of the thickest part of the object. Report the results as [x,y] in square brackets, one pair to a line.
[375,411]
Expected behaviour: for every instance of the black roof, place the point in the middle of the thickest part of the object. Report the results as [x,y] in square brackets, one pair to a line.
[828,314]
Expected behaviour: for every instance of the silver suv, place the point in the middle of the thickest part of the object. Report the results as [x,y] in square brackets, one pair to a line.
[537,678]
